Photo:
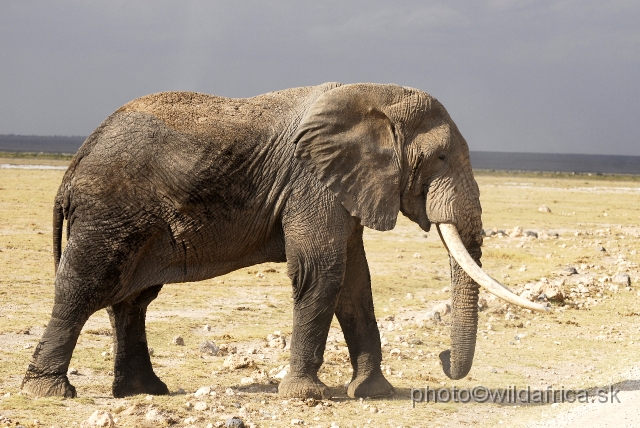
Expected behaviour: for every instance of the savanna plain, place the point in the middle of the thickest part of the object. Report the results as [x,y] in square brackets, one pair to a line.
[582,257]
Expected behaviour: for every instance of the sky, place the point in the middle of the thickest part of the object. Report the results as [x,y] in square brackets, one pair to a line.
[516,76]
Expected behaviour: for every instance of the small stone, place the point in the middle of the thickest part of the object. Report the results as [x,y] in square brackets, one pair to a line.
[277,342]
[482,304]
[282,373]
[155,415]
[247,381]
[433,315]
[151,352]
[235,362]
[226,349]
[201,392]
[415,341]
[409,296]
[191,420]
[28,346]
[511,316]
[531,234]
[201,406]
[442,309]
[622,279]
[234,423]
[417,256]
[553,294]
[178,340]
[544,209]
[601,248]
[516,232]
[297,422]
[72,371]
[206,327]
[98,419]
[569,271]
[395,352]
[209,348]
[529,295]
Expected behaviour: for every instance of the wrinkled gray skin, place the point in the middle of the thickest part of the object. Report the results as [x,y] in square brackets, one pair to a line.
[177,187]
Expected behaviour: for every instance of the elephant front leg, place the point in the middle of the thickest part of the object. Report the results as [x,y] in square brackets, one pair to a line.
[357,319]
[312,315]
[132,371]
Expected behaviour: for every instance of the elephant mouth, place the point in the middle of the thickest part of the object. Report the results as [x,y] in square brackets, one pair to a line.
[452,241]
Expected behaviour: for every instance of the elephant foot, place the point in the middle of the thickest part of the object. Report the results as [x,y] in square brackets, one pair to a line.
[128,384]
[43,385]
[372,386]
[303,387]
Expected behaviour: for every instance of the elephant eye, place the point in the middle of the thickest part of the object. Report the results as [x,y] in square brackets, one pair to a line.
[442,157]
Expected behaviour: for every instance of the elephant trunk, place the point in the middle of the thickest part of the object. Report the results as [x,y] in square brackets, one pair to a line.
[466,277]
[457,362]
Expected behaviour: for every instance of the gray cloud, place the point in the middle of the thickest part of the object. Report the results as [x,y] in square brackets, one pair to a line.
[528,76]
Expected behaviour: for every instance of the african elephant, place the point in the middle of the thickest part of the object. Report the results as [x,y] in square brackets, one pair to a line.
[182,186]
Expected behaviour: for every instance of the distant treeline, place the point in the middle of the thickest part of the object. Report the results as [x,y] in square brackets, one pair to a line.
[499,161]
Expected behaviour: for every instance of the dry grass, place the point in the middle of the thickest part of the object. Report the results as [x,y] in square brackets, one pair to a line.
[572,347]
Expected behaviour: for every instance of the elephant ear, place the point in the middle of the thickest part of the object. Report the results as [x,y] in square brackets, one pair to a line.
[349,142]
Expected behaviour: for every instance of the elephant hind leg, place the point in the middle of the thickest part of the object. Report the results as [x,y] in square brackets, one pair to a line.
[133,373]
[47,371]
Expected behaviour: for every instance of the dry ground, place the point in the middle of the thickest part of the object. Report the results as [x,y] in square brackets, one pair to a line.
[588,341]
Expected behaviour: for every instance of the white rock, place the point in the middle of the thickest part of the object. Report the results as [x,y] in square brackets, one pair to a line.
[235,362]
[544,209]
[297,422]
[516,232]
[442,308]
[226,349]
[409,296]
[201,406]
[622,279]
[206,327]
[155,415]
[417,256]
[209,348]
[246,381]
[529,295]
[98,419]
[395,352]
[201,392]
[277,342]
[283,372]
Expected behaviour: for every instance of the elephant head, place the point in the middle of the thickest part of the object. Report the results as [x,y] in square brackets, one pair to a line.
[382,149]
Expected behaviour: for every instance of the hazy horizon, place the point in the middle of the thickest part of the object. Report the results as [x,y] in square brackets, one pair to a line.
[516,76]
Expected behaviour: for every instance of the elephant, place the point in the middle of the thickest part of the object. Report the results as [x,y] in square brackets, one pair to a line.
[182,186]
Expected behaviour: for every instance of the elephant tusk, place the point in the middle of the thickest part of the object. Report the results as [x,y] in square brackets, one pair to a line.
[453,242]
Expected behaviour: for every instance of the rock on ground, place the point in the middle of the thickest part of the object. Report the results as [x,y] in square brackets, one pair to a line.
[98,419]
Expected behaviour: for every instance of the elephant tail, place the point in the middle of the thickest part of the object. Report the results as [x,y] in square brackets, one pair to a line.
[58,219]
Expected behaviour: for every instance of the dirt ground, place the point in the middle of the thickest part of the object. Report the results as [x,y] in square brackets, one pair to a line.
[588,344]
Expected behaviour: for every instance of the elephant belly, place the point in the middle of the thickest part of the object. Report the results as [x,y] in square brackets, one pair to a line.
[172,259]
